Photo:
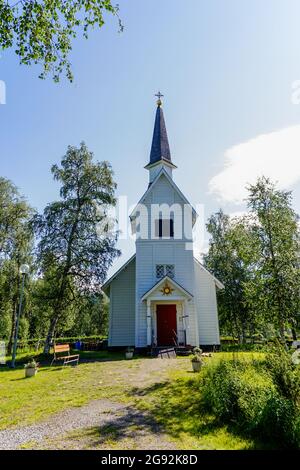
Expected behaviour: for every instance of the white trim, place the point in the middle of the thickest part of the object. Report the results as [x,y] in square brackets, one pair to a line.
[149,324]
[163,172]
[110,320]
[179,314]
[217,282]
[182,325]
[186,323]
[106,284]
[175,284]
[162,160]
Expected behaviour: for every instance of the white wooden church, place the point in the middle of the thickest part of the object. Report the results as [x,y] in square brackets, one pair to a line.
[163,296]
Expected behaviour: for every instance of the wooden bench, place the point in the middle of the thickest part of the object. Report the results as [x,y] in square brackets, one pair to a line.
[167,353]
[64,348]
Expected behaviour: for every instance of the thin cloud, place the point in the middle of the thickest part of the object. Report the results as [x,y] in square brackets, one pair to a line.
[275,155]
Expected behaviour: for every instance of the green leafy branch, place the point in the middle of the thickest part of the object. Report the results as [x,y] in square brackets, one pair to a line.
[42,30]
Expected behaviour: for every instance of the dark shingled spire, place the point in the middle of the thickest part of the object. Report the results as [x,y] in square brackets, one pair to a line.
[160,145]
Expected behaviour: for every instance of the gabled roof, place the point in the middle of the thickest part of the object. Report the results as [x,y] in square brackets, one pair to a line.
[217,282]
[107,283]
[170,281]
[109,280]
[163,172]
[160,148]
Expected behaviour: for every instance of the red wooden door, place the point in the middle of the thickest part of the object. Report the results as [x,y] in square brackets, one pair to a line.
[166,324]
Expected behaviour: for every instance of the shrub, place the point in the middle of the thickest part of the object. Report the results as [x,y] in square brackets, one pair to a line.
[283,412]
[254,390]
[235,390]
[260,398]
[219,389]
[280,422]
[285,374]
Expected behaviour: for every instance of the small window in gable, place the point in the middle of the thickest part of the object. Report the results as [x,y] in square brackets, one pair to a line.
[170,270]
[160,271]
[165,270]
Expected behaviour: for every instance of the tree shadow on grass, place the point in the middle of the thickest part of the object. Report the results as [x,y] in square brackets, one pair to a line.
[178,407]
[45,360]
[163,415]
[119,429]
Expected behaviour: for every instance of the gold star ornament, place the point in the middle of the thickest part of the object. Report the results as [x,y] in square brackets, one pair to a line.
[166,290]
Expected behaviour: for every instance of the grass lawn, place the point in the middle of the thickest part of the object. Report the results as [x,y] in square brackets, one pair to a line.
[168,394]
[27,400]
[176,404]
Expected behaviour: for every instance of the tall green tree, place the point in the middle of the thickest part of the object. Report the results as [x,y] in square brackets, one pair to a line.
[76,245]
[257,258]
[231,255]
[42,31]
[91,316]
[16,242]
[275,289]
[14,212]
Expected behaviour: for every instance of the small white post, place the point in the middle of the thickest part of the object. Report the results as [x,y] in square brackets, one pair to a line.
[185,318]
[149,323]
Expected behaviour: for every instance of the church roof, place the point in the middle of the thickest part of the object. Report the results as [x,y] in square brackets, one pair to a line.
[172,282]
[132,258]
[107,283]
[217,282]
[151,188]
[160,149]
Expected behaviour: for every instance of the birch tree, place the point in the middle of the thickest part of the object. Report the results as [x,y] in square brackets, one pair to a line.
[275,289]
[74,256]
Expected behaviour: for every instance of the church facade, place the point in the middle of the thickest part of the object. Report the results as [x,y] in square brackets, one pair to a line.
[163,296]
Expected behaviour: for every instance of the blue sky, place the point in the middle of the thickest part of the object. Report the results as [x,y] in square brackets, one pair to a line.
[226,68]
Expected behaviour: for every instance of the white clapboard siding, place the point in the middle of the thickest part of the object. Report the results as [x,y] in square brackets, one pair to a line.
[163,193]
[122,307]
[144,276]
[128,312]
[192,335]
[153,172]
[157,251]
[206,303]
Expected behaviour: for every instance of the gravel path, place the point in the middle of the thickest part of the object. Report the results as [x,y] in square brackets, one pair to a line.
[101,424]
[65,430]
[59,424]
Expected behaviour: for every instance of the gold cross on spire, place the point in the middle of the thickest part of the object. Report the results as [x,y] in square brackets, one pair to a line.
[159,96]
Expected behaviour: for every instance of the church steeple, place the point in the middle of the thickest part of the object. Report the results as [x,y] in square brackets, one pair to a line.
[160,144]
[160,155]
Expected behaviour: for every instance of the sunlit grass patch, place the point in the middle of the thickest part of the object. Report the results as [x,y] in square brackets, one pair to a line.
[170,395]
[25,401]
[177,405]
